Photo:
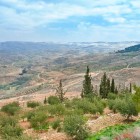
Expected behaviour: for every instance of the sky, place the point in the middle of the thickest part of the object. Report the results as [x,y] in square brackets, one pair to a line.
[70,20]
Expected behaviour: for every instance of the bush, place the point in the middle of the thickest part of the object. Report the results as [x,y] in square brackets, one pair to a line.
[52,100]
[58,109]
[114,104]
[75,111]
[11,131]
[74,126]
[9,127]
[68,104]
[112,96]
[99,108]
[56,124]
[32,104]
[11,108]
[85,105]
[7,120]
[38,121]
[29,115]
[127,108]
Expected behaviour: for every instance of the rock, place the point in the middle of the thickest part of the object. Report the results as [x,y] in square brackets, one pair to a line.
[136,133]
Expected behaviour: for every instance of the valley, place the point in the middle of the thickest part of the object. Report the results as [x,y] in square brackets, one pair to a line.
[31,72]
[46,63]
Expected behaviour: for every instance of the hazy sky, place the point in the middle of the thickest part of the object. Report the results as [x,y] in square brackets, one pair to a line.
[70,20]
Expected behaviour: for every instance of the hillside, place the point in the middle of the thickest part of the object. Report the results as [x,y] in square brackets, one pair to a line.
[45,67]
[134,48]
[31,72]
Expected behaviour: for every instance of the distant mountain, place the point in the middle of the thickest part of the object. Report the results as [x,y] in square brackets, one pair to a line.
[86,47]
[134,48]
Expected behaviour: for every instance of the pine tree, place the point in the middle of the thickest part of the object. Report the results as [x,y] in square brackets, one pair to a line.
[87,90]
[60,93]
[113,86]
[104,86]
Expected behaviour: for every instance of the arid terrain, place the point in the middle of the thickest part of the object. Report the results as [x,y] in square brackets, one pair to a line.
[31,72]
[35,68]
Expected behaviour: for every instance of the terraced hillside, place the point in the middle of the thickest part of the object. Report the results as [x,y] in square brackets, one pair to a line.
[28,68]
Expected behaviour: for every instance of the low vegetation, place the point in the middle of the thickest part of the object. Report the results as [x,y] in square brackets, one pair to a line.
[71,116]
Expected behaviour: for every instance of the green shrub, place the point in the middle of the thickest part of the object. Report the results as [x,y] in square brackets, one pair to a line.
[86,106]
[127,108]
[52,100]
[99,108]
[58,109]
[56,124]
[68,104]
[11,131]
[112,96]
[75,111]
[11,108]
[74,126]
[38,121]
[7,120]
[32,104]
[114,104]
[29,115]
[9,127]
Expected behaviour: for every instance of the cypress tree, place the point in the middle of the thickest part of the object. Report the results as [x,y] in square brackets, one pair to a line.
[87,90]
[130,90]
[113,86]
[104,86]
[116,90]
[45,100]
[108,85]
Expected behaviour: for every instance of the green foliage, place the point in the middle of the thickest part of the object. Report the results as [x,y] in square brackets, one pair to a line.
[74,111]
[32,104]
[29,115]
[104,86]
[11,131]
[69,103]
[74,126]
[7,120]
[113,86]
[112,131]
[38,121]
[58,109]
[87,90]
[127,108]
[136,98]
[85,105]
[114,104]
[56,124]
[60,93]
[11,108]
[52,100]
[9,127]
[112,96]
[45,101]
